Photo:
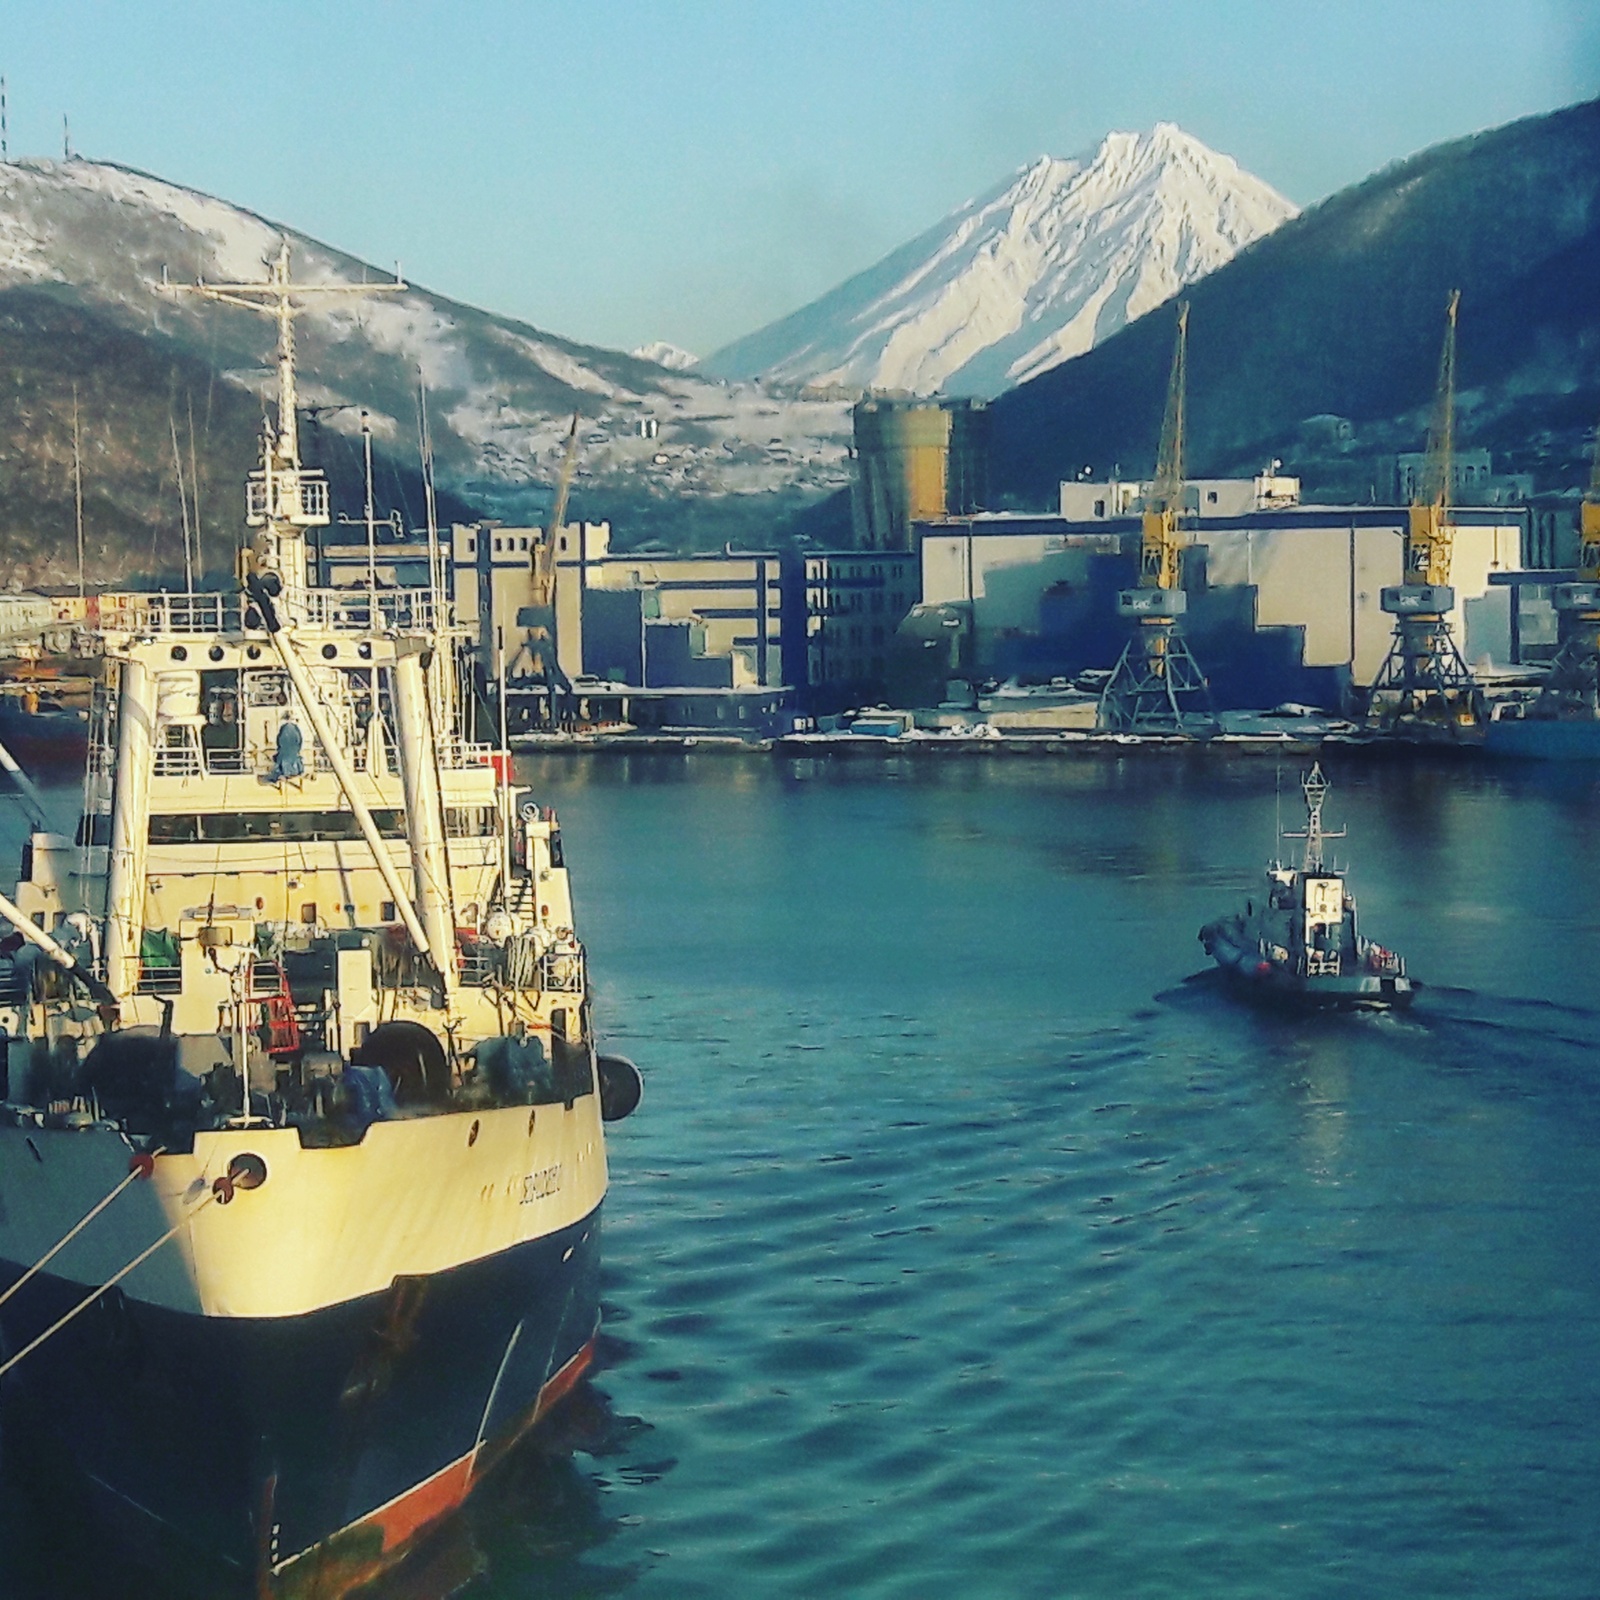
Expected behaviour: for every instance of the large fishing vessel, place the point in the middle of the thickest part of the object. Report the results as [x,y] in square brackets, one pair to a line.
[1299,943]
[301,1154]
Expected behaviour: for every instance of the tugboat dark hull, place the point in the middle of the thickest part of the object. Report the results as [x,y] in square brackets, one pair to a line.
[300,1456]
[1271,983]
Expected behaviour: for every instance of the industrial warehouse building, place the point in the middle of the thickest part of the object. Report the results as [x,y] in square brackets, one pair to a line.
[1283,601]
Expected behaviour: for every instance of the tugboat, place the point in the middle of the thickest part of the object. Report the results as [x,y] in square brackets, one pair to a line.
[301,1147]
[1300,945]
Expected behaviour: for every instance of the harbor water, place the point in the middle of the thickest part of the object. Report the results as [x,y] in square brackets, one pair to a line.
[970,1241]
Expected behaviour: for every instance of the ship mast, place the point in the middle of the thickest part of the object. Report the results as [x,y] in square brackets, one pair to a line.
[284,498]
[1315,788]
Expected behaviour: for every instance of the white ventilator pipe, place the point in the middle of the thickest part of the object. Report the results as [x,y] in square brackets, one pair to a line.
[130,827]
[419,768]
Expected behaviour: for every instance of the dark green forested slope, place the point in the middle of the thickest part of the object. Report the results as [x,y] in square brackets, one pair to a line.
[1342,312]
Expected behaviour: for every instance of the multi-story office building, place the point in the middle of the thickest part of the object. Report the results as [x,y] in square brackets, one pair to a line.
[851,602]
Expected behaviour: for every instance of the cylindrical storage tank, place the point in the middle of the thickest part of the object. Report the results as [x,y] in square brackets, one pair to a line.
[916,461]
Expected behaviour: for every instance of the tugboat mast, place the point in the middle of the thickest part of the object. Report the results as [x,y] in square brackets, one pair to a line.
[1315,788]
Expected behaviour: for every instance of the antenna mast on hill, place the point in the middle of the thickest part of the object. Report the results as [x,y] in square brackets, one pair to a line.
[66,138]
[77,485]
[5,149]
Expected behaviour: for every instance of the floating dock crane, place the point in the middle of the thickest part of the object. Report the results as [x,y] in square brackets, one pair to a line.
[1157,686]
[1424,686]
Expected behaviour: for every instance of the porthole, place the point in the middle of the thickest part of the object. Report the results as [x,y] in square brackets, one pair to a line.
[329,651]
[215,652]
[180,653]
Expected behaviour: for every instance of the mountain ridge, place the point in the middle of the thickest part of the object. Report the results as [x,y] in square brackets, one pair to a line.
[1027,274]
[1341,312]
[501,391]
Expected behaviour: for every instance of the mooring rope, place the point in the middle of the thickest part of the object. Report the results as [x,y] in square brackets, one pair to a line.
[141,1166]
[88,1300]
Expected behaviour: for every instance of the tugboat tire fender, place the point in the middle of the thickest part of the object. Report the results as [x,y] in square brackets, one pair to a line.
[621,1087]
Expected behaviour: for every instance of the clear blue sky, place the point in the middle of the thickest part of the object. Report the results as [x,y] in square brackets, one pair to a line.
[620,170]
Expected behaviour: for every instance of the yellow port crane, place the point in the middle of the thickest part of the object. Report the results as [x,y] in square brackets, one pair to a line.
[1572,687]
[1424,686]
[542,556]
[536,659]
[1157,687]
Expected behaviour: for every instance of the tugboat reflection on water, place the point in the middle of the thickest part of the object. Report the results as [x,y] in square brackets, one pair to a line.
[539,1515]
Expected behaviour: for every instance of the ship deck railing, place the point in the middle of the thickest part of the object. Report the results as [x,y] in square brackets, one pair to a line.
[162,978]
[184,753]
[223,613]
[561,971]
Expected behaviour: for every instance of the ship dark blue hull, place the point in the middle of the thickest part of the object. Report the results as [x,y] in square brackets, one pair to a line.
[299,1456]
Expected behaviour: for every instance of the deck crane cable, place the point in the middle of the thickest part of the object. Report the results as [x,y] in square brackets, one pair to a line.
[1157,686]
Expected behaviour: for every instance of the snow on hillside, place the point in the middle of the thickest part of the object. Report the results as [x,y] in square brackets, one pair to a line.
[1040,269]
[501,392]
[667,355]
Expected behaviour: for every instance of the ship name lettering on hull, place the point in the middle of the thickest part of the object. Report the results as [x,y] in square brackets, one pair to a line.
[540,1185]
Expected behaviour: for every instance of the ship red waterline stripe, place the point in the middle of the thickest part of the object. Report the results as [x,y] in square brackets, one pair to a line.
[410,1514]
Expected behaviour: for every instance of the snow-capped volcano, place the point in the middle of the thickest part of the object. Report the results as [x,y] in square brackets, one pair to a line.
[1041,268]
